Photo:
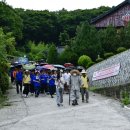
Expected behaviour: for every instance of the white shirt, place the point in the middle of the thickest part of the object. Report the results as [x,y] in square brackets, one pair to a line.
[66,77]
[60,83]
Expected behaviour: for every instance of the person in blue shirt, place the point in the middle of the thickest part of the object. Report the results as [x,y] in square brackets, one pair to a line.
[43,79]
[36,82]
[19,80]
[51,82]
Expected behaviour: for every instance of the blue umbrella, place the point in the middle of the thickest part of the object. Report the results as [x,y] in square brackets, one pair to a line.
[40,67]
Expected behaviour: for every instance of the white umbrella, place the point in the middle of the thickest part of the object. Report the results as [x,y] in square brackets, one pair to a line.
[59,66]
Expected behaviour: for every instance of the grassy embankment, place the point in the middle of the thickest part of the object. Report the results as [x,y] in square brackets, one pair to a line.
[121,93]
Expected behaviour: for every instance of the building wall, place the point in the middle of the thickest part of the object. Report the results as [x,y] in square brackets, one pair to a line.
[114,19]
[122,78]
[60,49]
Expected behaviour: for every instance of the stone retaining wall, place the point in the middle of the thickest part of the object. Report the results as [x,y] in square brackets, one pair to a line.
[122,78]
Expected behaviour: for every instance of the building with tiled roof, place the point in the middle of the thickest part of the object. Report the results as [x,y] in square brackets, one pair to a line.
[117,16]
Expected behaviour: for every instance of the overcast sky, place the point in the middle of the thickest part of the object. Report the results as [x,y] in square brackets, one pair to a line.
[55,5]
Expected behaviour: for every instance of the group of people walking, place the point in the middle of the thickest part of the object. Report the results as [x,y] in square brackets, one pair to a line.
[53,82]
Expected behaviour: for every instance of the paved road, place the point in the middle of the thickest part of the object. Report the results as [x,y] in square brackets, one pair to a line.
[42,113]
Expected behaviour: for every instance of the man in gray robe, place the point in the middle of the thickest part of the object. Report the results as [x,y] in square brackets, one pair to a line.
[75,84]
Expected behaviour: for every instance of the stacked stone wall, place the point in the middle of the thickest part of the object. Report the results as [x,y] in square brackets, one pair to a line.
[124,73]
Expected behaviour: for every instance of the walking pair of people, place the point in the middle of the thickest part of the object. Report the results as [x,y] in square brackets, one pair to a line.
[78,83]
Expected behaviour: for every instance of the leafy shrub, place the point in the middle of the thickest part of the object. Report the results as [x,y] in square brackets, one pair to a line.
[109,54]
[90,64]
[125,94]
[126,101]
[99,60]
[84,60]
[121,49]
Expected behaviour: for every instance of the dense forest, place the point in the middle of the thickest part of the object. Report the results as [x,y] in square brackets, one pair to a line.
[37,33]
[43,26]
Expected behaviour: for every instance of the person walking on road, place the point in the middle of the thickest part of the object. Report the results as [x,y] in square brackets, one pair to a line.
[44,78]
[84,87]
[26,83]
[75,84]
[19,80]
[66,77]
[36,81]
[59,89]
[51,83]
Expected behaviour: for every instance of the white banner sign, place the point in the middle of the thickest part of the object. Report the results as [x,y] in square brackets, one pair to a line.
[107,72]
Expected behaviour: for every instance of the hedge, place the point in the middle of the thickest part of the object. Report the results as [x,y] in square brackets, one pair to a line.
[4,78]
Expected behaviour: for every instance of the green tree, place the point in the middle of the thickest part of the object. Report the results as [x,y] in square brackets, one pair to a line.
[46,26]
[126,39]
[84,60]
[86,41]
[10,21]
[52,55]
[109,39]
[64,38]
[7,44]
[37,51]
[68,56]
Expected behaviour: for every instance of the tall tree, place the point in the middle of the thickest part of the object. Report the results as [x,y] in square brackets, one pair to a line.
[37,51]
[10,21]
[68,56]
[86,41]
[52,55]
[108,39]
[7,44]
[64,38]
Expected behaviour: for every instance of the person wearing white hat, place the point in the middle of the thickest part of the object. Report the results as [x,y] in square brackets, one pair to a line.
[84,86]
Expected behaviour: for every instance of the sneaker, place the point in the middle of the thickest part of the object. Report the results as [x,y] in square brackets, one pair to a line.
[86,101]
[58,105]
[76,103]
[73,104]
[52,96]
[82,100]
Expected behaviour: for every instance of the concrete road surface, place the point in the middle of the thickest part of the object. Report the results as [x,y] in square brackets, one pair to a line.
[42,113]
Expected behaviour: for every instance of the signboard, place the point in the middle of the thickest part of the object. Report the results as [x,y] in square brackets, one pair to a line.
[126,17]
[23,60]
[107,72]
